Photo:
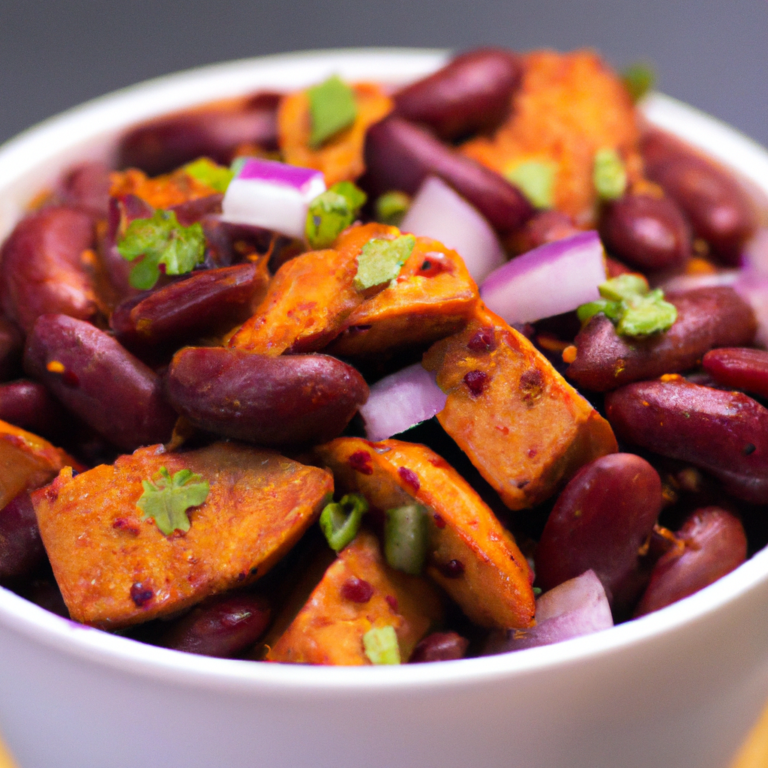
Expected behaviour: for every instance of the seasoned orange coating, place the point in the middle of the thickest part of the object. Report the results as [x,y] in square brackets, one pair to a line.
[27,462]
[161,191]
[115,568]
[341,157]
[521,424]
[568,106]
[329,629]
[430,299]
[494,588]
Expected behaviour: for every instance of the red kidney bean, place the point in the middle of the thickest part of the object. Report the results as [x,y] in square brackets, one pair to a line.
[206,302]
[471,93]
[192,211]
[719,210]
[271,401]
[223,627]
[164,144]
[714,544]
[400,155]
[45,592]
[648,233]
[86,186]
[739,367]
[99,381]
[542,228]
[725,433]
[706,318]
[21,548]
[42,268]
[29,405]
[599,522]
[440,646]
[11,348]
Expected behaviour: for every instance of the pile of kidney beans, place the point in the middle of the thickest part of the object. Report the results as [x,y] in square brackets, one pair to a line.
[680,510]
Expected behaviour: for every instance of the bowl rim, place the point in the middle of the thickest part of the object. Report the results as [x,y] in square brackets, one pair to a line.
[88,131]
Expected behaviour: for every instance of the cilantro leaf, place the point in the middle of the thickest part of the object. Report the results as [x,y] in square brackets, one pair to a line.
[332,212]
[609,174]
[209,173]
[638,79]
[381,260]
[161,240]
[332,108]
[168,499]
[536,180]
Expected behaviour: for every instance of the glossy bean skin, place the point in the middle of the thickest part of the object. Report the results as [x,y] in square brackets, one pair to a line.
[98,380]
[29,405]
[706,318]
[222,627]
[21,548]
[648,233]
[717,207]
[471,93]
[162,145]
[42,268]
[542,228]
[714,545]
[207,301]
[599,522]
[11,348]
[725,433]
[400,155]
[86,186]
[271,401]
[439,646]
[740,368]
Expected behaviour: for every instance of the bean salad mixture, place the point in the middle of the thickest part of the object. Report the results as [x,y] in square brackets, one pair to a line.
[364,375]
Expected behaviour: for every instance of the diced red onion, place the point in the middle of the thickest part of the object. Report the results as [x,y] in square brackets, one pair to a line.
[437,211]
[549,280]
[401,401]
[574,608]
[272,195]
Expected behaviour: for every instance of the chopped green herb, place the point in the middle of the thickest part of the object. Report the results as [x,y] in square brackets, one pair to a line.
[405,538]
[209,173]
[537,591]
[609,174]
[536,181]
[332,212]
[340,521]
[638,78]
[391,207]
[380,644]
[381,261]
[631,306]
[161,241]
[332,108]
[168,499]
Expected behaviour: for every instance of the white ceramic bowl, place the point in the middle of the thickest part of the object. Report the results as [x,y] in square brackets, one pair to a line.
[680,687]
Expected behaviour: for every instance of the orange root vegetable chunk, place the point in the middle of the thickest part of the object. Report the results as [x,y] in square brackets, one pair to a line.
[115,567]
[341,157]
[27,462]
[357,593]
[431,298]
[519,422]
[471,555]
[161,191]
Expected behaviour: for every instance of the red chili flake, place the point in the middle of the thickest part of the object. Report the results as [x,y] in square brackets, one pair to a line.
[392,602]
[70,379]
[531,386]
[504,430]
[439,522]
[356,590]
[483,340]
[140,594]
[360,461]
[452,569]
[129,526]
[409,477]
[434,264]
[532,453]
[476,382]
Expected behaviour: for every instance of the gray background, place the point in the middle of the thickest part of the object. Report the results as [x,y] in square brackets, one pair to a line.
[55,54]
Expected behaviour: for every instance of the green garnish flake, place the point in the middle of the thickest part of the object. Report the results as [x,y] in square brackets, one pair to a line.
[631,306]
[340,521]
[332,108]
[167,499]
[609,174]
[536,180]
[405,538]
[209,173]
[380,644]
[162,242]
[638,79]
[332,212]
[380,261]
[391,207]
